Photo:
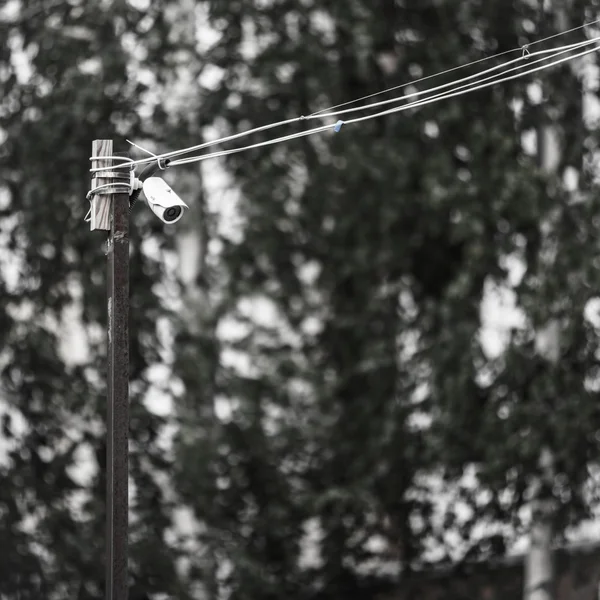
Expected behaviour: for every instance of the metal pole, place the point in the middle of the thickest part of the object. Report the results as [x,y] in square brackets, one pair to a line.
[117,463]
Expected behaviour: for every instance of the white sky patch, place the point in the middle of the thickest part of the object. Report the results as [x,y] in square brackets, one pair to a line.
[261,310]
[84,468]
[159,402]
[310,556]
[73,346]
[499,313]
[10,10]
[591,312]
[19,428]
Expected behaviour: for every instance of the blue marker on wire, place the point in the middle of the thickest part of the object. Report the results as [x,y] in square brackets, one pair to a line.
[338,126]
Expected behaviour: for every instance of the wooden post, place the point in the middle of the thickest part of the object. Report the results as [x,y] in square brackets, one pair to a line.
[100,206]
[113,210]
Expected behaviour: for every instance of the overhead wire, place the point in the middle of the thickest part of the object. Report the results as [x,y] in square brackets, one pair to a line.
[420,80]
[561,33]
[485,58]
[436,98]
[524,60]
[474,88]
[332,111]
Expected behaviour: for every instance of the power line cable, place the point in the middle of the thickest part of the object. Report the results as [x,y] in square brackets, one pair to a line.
[436,98]
[327,113]
[485,58]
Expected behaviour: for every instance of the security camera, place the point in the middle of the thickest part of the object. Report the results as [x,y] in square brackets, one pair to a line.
[163,201]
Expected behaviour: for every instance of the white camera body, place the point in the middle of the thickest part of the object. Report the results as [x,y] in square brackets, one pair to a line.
[163,201]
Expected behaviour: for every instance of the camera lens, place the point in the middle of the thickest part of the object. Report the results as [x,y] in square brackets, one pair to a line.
[172,213]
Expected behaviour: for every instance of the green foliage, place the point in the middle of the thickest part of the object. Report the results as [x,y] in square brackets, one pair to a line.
[372,250]
[74,84]
[363,373]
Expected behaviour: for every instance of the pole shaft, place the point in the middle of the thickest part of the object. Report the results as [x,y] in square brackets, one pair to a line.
[117,464]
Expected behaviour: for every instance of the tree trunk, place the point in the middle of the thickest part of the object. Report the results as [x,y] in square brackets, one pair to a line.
[539,568]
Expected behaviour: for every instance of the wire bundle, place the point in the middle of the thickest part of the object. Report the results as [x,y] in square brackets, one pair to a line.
[516,68]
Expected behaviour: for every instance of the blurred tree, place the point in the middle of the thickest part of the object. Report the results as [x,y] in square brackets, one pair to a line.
[330,345]
[348,299]
[71,72]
